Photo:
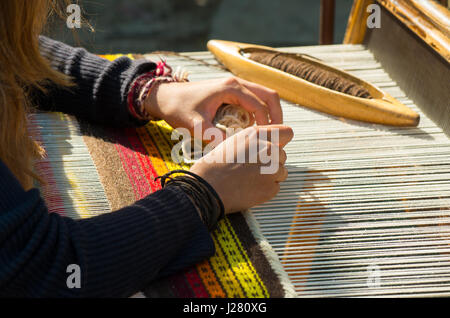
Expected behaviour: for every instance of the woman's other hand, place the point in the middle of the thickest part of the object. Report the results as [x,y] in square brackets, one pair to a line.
[244,185]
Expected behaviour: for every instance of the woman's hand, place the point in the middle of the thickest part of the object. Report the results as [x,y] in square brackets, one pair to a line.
[183,104]
[243,185]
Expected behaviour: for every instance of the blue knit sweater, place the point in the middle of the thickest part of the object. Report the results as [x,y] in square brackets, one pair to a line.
[118,253]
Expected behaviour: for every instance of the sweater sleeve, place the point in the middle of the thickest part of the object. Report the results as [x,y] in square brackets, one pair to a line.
[118,253]
[101,86]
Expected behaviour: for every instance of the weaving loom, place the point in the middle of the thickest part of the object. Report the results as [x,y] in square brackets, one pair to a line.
[365,210]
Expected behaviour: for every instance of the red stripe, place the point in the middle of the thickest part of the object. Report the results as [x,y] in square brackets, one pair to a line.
[124,154]
[146,164]
[133,154]
[196,283]
[132,166]
[180,287]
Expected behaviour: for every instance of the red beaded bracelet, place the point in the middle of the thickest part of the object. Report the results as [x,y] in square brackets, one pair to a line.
[143,85]
[136,87]
[145,92]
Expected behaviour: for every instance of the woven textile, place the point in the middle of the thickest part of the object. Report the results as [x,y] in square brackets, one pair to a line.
[365,210]
[91,170]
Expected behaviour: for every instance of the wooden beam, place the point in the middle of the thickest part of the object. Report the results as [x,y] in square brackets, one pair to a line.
[327,11]
[445,3]
[427,19]
[435,13]
[431,25]
[357,22]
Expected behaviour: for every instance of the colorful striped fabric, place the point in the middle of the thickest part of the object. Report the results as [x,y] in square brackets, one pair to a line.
[91,170]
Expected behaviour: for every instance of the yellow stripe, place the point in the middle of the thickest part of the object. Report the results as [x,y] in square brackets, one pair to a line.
[242,272]
[225,237]
[78,196]
[239,261]
[225,274]
[204,269]
[160,131]
[112,57]
[164,147]
[153,153]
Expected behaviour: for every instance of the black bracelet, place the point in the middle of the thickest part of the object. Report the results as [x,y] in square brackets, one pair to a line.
[201,192]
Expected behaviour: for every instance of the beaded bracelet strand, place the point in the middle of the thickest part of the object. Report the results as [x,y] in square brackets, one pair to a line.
[144,84]
[145,92]
[136,87]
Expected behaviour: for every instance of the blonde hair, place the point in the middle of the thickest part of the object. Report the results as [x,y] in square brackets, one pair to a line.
[22,68]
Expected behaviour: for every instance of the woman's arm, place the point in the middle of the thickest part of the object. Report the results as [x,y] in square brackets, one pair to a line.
[101,91]
[119,253]
[101,86]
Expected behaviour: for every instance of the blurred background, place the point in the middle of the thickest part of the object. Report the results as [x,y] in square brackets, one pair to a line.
[142,26]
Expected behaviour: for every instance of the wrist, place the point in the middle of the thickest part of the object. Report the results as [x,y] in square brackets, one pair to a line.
[204,198]
[142,96]
[151,101]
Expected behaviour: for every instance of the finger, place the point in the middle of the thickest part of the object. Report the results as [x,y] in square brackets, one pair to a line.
[281,174]
[241,96]
[272,148]
[283,156]
[212,133]
[274,190]
[269,96]
[285,133]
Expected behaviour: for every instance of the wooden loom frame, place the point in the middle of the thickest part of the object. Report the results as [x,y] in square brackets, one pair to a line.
[429,22]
